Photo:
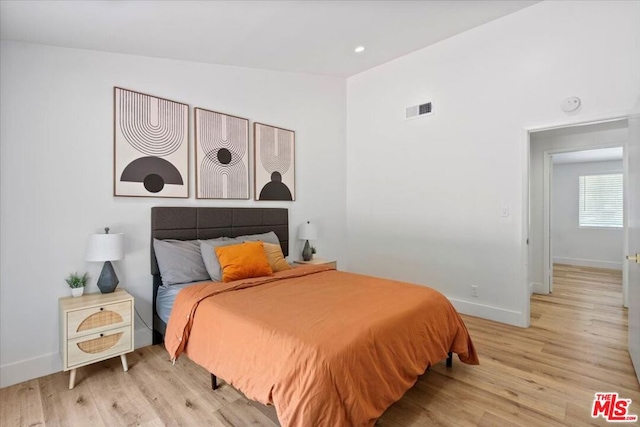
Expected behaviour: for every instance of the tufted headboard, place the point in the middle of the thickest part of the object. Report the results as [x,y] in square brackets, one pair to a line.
[191,223]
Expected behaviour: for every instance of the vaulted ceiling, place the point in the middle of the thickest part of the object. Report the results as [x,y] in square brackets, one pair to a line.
[317,37]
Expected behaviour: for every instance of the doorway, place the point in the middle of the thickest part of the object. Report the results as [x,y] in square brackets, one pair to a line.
[585,226]
[566,166]
[631,266]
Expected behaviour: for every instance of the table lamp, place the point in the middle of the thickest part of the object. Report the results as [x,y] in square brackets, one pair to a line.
[307,232]
[106,247]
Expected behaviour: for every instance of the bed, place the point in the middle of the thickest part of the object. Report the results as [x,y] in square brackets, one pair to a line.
[324,347]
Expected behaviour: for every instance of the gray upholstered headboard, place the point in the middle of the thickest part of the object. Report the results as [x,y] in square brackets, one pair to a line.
[190,223]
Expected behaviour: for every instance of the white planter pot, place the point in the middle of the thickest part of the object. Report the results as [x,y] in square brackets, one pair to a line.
[77,292]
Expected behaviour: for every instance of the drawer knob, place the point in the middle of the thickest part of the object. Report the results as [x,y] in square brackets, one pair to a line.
[101,335]
[101,308]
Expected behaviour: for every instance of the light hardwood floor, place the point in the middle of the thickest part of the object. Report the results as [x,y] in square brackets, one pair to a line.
[542,376]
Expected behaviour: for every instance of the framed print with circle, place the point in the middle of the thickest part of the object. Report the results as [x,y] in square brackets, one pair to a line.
[151,146]
[274,163]
[222,155]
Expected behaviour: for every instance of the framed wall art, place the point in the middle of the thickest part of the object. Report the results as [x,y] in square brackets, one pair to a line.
[222,155]
[151,146]
[274,164]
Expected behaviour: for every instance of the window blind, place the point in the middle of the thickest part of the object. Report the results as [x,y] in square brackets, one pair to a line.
[601,200]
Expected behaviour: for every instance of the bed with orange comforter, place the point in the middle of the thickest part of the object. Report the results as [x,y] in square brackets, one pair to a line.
[326,348]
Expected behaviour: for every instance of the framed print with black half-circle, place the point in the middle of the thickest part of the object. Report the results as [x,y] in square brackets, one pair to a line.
[222,155]
[274,163]
[151,146]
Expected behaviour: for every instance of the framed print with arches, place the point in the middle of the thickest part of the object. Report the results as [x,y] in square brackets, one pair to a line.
[151,146]
[222,155]
[274,163]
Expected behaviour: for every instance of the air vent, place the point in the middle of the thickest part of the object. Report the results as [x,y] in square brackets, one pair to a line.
[419,110]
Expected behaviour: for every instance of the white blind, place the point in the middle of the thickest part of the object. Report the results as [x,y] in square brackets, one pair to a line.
[601,200]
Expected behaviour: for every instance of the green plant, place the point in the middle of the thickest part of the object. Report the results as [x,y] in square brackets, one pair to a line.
[313,250]
[76,281]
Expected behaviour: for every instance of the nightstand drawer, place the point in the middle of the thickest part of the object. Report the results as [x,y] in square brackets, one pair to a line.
[90,348]
[98,318]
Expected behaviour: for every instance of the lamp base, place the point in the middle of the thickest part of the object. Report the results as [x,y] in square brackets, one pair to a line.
[108,280]
[307,254]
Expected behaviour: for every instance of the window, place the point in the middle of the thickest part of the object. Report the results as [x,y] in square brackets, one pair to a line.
[601,200]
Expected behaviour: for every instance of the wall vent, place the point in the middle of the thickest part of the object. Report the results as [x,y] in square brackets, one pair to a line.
[419,110]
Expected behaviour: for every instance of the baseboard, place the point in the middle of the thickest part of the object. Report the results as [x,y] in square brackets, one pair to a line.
[538,288]
[501,315]
[588,263]
[28,369]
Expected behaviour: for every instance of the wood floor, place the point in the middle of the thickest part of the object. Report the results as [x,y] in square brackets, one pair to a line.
[542,376]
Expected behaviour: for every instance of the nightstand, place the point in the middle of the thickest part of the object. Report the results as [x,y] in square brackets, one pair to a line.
[95,327]
[319,261]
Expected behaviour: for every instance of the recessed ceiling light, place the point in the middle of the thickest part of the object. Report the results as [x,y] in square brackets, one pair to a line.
[359,49]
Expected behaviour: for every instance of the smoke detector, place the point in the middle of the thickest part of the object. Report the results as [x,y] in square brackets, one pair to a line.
[570,104]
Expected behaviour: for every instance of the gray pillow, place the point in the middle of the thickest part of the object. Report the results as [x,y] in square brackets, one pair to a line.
[215,239]
[269,237]
[179,261]
[208,255]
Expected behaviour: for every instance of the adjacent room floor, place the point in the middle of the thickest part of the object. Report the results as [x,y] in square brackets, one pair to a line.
[545,375]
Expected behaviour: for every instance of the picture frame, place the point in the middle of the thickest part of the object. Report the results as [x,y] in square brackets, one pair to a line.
[151,146]
[274,163]
[222,155]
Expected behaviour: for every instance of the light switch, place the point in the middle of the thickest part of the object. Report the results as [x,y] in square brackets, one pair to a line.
[505,211]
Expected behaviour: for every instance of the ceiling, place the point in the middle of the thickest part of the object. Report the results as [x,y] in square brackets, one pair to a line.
[599,155]
[317,37]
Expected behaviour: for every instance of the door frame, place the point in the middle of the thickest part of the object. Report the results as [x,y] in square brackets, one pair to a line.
[547,200]
[525,272]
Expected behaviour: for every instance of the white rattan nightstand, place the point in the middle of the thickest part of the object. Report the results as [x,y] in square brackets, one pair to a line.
[95,327]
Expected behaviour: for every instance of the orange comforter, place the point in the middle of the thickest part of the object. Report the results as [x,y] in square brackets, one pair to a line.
[326,348]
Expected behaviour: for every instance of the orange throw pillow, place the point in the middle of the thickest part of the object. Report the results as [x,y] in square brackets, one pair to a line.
[243,261]
[276,257]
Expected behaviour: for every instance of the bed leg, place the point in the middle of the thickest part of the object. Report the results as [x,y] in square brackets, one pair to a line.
[157,338]
[450,360]
[214,382]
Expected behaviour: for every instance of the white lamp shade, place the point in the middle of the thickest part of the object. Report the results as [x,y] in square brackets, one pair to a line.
[105,247]
[307,231]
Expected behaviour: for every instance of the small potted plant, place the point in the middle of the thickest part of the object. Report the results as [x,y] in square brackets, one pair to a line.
[77,283]
[313,251]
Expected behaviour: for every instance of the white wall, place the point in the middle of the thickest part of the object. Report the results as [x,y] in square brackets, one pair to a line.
[424,197]
[572,244]
[565,139]
[57,175]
